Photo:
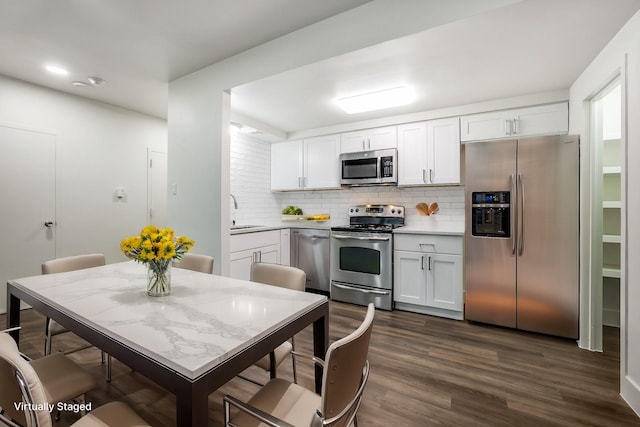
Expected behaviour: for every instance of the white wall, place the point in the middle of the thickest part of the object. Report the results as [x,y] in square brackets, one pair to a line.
[621,55]
[251,182]
[196,131]
[99,147]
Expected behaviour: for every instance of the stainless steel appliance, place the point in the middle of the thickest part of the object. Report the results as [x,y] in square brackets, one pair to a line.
[310,253]
[376,167]
[362,255]
[521,240]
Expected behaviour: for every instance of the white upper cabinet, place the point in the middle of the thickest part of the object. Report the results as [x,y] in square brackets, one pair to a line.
[443,151]
[309,164]
[412,154]
[429,152]
[369,139]
[286,165]
[322,162]
[529,121]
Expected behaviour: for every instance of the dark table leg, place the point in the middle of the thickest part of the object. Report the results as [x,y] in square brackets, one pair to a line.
[192,405]
[13,315]
[320,344]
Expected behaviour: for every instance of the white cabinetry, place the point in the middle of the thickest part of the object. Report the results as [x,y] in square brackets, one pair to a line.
[369,139]
[247,248]
[428,274]
[309,164]
[529,121]
[429,152]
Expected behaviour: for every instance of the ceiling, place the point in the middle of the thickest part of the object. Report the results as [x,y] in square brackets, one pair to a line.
[529,47]
[139,46]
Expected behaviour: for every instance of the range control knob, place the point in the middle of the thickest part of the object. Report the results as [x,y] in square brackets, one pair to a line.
[399,211]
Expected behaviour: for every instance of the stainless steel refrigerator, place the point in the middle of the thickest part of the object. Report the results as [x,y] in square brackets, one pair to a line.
[521,237]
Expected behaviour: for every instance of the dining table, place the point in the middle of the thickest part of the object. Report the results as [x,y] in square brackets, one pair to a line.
[191,342]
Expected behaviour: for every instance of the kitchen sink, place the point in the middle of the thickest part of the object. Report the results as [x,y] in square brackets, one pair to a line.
[242,227]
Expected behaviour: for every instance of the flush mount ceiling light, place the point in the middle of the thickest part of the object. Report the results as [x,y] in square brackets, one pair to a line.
[56,70]
[379,100]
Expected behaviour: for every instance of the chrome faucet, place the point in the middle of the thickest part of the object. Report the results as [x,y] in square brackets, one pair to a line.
[235,206]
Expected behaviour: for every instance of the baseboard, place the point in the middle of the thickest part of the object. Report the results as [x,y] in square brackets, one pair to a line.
[630,392]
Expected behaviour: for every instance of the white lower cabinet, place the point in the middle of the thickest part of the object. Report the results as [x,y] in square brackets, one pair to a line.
[247,248]
[428,274]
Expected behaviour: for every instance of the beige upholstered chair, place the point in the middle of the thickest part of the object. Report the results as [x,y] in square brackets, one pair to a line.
[61,380]
[61,265]
[282,403]
[284,277]
[50,380]
[195,262]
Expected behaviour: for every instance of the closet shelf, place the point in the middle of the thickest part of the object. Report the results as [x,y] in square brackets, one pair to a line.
[612,204]
[608,170]
[611,238]
[611,271]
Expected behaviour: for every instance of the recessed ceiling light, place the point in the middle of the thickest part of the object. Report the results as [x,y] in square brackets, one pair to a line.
[378,100]
[96,81]
[81,84]
[56,70]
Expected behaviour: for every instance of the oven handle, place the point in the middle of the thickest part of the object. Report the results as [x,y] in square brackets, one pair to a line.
[364,291]
[360,238]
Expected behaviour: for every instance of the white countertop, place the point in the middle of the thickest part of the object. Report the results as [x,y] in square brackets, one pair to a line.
[204,320]
[424,226]
[433,227]
[325,225]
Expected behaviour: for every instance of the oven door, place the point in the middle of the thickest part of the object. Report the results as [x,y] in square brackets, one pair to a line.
[362,258]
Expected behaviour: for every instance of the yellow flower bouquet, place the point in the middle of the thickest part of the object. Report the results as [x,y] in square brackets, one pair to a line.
[156,247]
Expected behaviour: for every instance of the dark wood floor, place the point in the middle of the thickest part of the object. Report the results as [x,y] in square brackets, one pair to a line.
[424,371]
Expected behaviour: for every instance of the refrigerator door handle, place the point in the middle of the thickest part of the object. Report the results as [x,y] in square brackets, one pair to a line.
[521,214]
[513,235]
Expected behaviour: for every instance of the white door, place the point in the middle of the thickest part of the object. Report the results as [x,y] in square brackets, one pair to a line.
[27,186]
[240,264]
[157,190]
[445,281]
[409,278]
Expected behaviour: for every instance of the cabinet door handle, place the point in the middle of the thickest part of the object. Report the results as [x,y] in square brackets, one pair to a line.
[430,176]
[422,262]
[424,176]
[429,265]
[515,125]
[259,256]
[299,181]
[507,127]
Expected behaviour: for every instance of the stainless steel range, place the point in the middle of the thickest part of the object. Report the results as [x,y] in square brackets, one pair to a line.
[362,255]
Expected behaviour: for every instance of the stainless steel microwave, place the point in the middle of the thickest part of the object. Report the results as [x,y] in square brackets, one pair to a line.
[375,167]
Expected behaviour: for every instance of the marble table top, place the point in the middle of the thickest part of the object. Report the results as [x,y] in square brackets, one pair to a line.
[205,320]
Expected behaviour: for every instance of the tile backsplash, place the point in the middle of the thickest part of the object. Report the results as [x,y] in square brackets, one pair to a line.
[250,184]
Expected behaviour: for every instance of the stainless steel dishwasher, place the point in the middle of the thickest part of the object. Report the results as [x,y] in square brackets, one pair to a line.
[310,253]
